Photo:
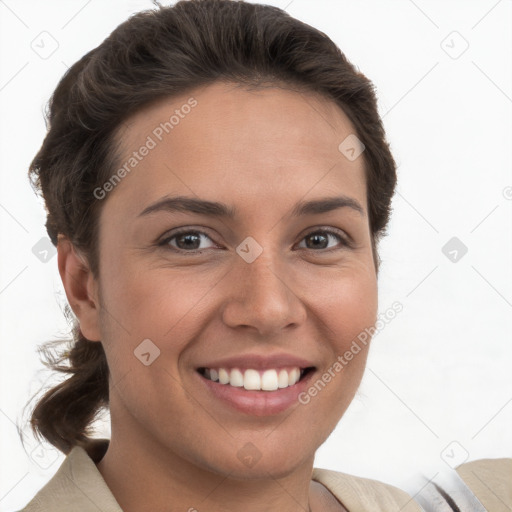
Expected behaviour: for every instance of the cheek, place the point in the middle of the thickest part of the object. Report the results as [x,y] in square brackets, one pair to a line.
[163,305]
[345,313]
[347,303]
[143,297]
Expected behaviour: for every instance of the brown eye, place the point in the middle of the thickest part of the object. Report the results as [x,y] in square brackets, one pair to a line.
[189,241]
[319,240]
[186,241]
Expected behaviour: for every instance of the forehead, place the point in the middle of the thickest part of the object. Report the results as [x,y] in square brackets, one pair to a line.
[242,144]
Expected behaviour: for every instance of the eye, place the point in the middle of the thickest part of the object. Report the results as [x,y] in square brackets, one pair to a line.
[185,240]
[321,237]
[189,241]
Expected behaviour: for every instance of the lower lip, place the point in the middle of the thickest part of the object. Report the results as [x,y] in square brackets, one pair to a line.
[257,403]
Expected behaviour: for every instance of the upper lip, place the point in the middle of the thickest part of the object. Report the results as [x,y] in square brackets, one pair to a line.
[258,362]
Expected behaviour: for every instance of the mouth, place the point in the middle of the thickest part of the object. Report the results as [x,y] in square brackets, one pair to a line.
[250,379]
[255,384]
[263,392]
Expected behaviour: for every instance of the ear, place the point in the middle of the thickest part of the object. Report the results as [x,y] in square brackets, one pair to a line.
[81,288]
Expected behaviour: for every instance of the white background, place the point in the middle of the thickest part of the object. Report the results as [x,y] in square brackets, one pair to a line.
[440,371]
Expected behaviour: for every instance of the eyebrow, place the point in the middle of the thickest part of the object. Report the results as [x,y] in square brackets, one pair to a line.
[216,209]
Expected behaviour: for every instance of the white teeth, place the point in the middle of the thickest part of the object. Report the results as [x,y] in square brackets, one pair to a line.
[252,380]
[283,379]
[223,376]
[236,378]
[268,380]
[295,374]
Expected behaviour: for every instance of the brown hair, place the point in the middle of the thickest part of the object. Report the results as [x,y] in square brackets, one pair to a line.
[161,53]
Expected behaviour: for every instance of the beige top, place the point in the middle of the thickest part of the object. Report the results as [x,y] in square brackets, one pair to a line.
[79,486]
[491,482]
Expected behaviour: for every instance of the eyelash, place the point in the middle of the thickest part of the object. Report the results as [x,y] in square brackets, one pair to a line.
[344,242]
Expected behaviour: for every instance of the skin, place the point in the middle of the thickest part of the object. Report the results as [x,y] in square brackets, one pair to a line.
[260,151]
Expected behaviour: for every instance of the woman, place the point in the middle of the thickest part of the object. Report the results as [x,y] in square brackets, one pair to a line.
[217,179]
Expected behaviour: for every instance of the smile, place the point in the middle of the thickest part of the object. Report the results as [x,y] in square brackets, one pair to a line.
[264,392]
[256,380]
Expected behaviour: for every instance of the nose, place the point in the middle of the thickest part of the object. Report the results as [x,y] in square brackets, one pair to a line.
[261,296]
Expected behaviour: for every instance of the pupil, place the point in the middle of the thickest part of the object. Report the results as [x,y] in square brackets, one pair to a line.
[188,245]
[317,237]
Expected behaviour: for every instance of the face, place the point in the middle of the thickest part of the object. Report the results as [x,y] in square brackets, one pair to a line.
[267,281]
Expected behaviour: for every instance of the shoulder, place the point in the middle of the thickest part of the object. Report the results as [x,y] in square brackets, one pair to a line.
[490,480]
[77,485]
[357,493]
